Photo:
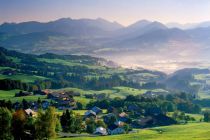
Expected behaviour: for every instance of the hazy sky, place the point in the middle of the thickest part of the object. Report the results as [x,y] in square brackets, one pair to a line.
[122,11]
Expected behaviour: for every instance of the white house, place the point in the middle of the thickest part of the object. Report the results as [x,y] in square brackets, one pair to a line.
[100,131]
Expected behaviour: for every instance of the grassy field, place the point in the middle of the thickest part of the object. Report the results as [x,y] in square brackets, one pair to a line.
[114,92]
[23,77]
[82,100]
[9,95]
[193,131]
[197,117]
[3,68]
[69,63]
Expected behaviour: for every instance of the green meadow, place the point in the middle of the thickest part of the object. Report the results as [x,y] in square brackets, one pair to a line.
[121,91]
[23,77]
[191,131]
[10,95]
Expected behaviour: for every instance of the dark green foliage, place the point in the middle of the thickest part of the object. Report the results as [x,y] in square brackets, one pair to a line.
[206,116]
[6,104]
[79,106]
[103,104]
[25,104]
[182,117]
[7,84]
[45,124]
[71,122]
[91,125]
[100,123]
[5,124]
[19,120]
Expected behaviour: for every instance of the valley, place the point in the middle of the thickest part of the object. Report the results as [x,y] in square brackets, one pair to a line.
[147,104]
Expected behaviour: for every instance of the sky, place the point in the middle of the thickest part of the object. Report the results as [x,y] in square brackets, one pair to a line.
[123,11]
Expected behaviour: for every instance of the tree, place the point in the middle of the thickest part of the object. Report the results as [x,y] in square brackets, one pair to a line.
[45,124]
[5,121]
[58,126]
[30,126]
[25,104]
[79,127]
[71,122]
[19,120]
[79,106]
[100,123]
[91,125]
[206,116]
[67,121]
[111,120]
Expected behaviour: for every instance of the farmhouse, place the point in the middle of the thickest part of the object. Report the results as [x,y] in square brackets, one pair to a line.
[30,112]
[116,131]
[23,93]
[8,72]
[62,99]
[42,92]
[90,113]
[97,110]
[100,131]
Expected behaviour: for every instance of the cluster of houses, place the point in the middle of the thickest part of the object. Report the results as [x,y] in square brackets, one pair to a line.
[61,99]
[8,72]
[155,93]
[33,105]
[117,127]
[23,93]
[64,99]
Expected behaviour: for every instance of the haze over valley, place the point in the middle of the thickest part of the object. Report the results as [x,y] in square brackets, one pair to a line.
[146,44]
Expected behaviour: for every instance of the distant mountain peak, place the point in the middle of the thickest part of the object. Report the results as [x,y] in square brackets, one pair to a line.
[139,23]
[158,24]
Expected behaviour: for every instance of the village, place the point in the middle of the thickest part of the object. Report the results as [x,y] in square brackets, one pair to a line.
[63,100]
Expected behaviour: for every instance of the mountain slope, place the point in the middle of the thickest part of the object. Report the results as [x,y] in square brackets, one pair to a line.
[81,27]
[98,37]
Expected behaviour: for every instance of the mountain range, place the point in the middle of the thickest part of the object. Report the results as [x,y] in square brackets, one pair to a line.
[142,42]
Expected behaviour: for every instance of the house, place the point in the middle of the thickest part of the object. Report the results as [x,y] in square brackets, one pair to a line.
[108,116]
[119,123]
[30,112]
[155,93]
[9,72]
[89,114]
[116,131]
[23,93]
[101,96]
[53,96]
[59,96]
[35,105]
[45,104]
[97,110]
[16,105]
[63,101]
[72,93]
[123,117]
[100,131]
[42,92]
[89,96]
[123,114]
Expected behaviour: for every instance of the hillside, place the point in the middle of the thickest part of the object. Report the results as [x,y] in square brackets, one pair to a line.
[94,73]
[194,131]
[135,98]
